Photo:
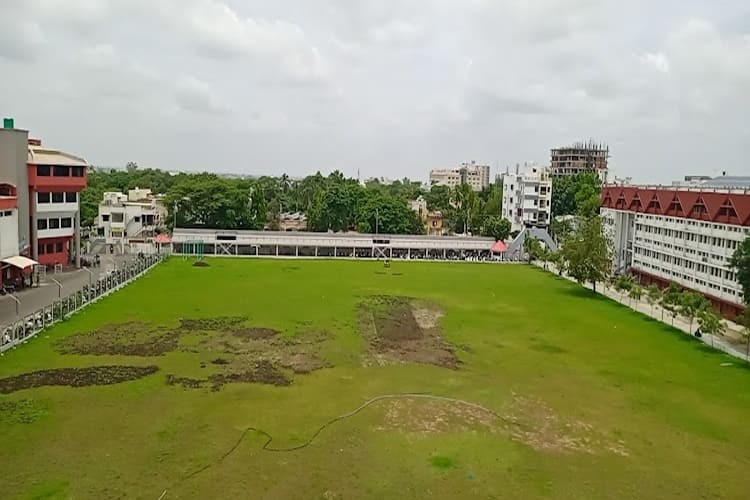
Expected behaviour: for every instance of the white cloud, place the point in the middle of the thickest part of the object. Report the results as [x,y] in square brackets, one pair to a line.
[657,60]
[197,96]
[20,39]
[396,31]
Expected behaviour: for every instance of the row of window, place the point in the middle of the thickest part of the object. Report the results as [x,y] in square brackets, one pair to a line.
[68,197]
[48,171]
[49,248]
[704,256]
[660,219]
[699,267]
[678,276]
[54,223]
[6,213]
[688,236]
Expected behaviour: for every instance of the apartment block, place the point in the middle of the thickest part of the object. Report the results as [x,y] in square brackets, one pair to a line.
[527,197]
[128,218]
[475,175]
[39,199]
[681,234]
[581,158]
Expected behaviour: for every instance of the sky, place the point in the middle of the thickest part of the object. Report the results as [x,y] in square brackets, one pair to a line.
[389,88]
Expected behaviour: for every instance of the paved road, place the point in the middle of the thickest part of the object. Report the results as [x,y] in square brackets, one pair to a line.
[32,299]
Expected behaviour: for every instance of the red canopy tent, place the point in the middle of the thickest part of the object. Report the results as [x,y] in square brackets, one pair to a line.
[499,247]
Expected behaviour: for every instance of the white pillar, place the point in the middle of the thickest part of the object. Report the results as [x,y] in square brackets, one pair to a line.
[316,251]
[408,253]
[277,250]
[78,238]
[296,251]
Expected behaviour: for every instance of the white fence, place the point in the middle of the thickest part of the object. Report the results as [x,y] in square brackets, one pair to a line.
[22,330]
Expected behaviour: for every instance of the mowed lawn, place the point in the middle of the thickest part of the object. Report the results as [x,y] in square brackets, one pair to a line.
[591,400]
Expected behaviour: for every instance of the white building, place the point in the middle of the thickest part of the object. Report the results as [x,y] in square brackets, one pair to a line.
[527,197]
[475,175]
[685,235]
[131,218]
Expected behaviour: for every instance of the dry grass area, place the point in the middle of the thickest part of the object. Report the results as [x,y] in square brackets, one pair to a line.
[404,330]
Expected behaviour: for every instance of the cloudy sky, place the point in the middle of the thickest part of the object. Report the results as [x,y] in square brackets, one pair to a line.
[389,87]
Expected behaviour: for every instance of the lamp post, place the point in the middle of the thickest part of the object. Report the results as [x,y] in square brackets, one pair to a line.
[59,288]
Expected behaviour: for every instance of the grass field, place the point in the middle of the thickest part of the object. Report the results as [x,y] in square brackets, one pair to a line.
[562,394]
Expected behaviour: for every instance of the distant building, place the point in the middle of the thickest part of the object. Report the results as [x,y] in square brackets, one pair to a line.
[681,234]
[293,221]
[527,197]
[39,199]
[433,221]
[475,175]
[581,158]
[135,217]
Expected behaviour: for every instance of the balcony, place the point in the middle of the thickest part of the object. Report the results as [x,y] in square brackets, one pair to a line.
[57,178]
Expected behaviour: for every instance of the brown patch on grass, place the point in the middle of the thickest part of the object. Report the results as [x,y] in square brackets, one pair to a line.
[534,423]
[219,361]
[255,333]
[400,329]
[75,377]
[188,383]
[201,263]
[217,323]
[303,363]
[263,372]
[127,339]
[424,416]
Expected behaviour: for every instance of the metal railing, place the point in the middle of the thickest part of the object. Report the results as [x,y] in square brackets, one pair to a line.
[27,327]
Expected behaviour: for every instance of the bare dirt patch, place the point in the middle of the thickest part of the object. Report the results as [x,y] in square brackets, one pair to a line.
[301,363]
[263,372]
[127,339]
[217,323]
[424,416]
[534,423]
[255,333]
[76,377]
[201,263]
[400,329]
[190,383]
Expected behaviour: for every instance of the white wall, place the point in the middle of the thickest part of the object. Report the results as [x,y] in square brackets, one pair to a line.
[9,234]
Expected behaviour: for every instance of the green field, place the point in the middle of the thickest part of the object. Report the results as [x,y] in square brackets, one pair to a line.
[562,394]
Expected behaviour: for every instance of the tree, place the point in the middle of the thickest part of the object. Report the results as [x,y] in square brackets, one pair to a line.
[573,194]
[623,284]
[561,228]
[557,260]
[741,263]
[653,294]
[670,301]
[587,254]
[496,227]
[545,256]
[744,320]
[635,293]
[711,323]
[532,247]
[692,304]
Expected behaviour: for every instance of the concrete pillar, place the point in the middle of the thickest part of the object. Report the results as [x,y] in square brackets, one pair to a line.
[277,250]
[316,251]
[296,251]
[33,232]
[78,237]
[390,252]
[444,253]
[335,251]
[408,254]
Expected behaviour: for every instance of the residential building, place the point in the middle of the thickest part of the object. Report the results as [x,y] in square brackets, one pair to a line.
[581,158]
[135,217]
[475,175]
[39,199]
[433,220]
[681,234]
[527,197]
[293,221]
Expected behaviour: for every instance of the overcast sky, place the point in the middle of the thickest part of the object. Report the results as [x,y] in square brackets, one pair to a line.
[389,87]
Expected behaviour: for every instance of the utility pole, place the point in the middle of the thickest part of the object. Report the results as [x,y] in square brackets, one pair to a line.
[377,221]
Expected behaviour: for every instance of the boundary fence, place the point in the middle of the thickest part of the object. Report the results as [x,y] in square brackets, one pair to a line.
[27,327]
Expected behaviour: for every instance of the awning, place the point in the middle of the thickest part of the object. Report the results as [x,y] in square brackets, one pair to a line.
[499,247]
[20,262]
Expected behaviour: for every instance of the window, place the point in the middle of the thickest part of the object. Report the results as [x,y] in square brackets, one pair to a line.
[71,197]
[50,248]
[118,217]
[105,217]
[57,198]
[137,218]
[77,171]
[60,171]
[41,224]
[42,197]
[58,247]
[66,222]
[8,213]
[54,223]
[41,249]
[43,171]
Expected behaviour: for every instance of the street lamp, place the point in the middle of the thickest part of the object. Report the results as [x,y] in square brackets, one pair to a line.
[59,288]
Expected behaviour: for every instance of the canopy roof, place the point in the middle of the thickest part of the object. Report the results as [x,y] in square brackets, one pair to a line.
[20,261]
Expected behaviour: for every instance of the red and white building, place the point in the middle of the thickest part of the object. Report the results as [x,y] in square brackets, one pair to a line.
[39,200]
[681,234]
